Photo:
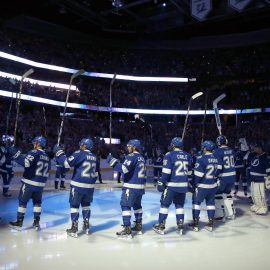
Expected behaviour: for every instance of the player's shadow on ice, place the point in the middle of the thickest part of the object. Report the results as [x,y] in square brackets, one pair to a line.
[104,226]
[149,225]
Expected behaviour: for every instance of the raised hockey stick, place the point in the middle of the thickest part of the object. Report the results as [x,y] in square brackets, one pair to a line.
[73,76]
[215,103]
[111,85]
[204,116]
[25,75]
[189,104]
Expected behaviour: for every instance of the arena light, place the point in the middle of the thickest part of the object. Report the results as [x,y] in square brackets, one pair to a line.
[113,141]
[44,83]
[91,74]
[128,110]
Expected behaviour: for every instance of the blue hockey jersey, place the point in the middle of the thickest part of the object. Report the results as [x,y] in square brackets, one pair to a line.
[176,170]
[2,155]
[239,160]
[207,169]
[134,171]
[36,165]
[259,168]
[158,161]
[227,156]
[84,174]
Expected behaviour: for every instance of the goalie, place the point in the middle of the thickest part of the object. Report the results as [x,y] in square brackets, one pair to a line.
[259,175]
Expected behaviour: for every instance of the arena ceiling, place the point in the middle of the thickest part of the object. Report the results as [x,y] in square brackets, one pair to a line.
[143,18]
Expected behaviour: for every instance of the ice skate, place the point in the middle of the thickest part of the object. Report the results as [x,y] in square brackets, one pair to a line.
[73,231]
[125,233]
[159,228]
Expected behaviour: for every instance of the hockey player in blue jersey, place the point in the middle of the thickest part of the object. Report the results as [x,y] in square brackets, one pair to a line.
[224,202]
[36,165]
[259,170]
[82,183]
[194,154]
[207,169]
[60,174]
[174,184]
[6,167]
[134,172]
[158,159]
[250,154]
[240,170]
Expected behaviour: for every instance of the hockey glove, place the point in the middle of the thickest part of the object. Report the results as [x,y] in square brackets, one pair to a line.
[58,151]
[111,160]
[14,152]
[161,186]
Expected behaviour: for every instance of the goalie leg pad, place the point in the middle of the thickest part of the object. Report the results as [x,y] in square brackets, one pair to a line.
[258,191]
[229,206]
[219,204]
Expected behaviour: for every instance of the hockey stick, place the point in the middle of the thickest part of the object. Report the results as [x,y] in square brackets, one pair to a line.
[25,75]
[78,73]
[189,104]
[111,85]
[204,116]
[215,103]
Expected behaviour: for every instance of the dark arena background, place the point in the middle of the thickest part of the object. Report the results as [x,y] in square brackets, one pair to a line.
[82,79]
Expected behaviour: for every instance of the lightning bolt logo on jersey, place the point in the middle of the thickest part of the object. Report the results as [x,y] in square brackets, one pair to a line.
[259,168]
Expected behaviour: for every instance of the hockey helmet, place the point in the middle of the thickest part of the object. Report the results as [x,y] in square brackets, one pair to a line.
[221,140]
[40,140]
[135,143]
[87,142]
[177,142]
[208,145]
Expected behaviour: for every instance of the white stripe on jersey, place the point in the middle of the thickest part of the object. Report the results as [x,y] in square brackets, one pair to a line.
[136,186]
[33,183]
[197,173]
[173,184]
[124,169]
[81,185]
[166,170]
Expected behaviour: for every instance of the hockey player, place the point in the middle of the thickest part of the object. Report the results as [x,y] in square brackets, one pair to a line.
[207,169]
[98,168]
[224,202]
[259,170]
[6,167]
[247,162]
[158,159]
[37,165]
[174,185]
[240,170]
[60,174]
[194,155]
[134,172]
[82,183]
